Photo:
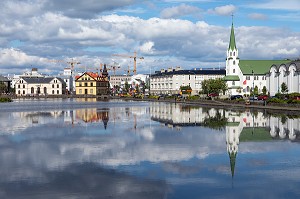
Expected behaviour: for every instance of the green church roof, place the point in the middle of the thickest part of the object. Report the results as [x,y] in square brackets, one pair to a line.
[259,67]
[256,134]
[232,44]
[231,78]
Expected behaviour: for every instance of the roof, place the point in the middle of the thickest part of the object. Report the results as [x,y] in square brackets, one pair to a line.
[259,67]
[256,134]
[232,44]
[287,65]
[4,79]
[191,72]
[41,80]
[231,78]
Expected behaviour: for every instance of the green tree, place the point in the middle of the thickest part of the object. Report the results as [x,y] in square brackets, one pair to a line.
[3,88]
[264,90]
[127,86]
[214,86]
[186,89]
[284,88]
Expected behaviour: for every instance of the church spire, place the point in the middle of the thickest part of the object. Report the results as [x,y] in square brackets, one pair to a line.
[232,157]
[232,44]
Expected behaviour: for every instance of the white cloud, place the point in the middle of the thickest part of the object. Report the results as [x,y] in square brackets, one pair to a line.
[224,10]
[258,16]
[178,11]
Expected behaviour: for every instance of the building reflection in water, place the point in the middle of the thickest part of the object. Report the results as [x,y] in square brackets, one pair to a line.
[93,115]
[239,126]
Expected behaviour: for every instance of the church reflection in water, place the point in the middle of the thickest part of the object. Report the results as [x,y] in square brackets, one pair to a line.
[240,126]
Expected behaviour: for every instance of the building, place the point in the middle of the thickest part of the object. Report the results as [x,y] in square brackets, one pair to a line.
[6,82]
[244,75]
[40,86]
[116,80]
[67,76]
[287,73]
[90,83]
[169,81]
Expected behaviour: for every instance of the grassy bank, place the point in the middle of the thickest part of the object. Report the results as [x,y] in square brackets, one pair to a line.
[5,99]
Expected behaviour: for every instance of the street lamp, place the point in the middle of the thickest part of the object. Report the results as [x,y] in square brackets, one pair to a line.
[253,86]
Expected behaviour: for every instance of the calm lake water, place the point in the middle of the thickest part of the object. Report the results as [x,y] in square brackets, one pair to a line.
[78,148]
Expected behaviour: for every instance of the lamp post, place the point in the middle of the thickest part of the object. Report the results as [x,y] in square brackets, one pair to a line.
[253,86]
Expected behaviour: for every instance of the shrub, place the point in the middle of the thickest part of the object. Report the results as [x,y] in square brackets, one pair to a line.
[5,99]
[276,100]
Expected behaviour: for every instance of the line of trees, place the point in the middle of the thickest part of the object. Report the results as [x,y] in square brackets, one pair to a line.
[214,86]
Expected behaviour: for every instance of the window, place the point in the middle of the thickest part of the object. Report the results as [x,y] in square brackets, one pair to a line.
[233,53]
[52,85]
[23,92]
[233,62]
[19,92]
[80,91]
[233,83]
[85,84]
[247,77]
[19,86]
[92,84]
[91,91]
[53,92]
[230,54]
[233,70]
[80,84]
[24,86]
[57,91]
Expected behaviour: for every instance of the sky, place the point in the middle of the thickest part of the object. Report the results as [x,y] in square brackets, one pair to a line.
[46,34]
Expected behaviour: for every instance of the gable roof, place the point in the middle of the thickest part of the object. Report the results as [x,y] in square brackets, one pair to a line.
[259,67]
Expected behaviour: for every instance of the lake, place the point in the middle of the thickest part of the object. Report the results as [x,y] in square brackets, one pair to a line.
[83,148]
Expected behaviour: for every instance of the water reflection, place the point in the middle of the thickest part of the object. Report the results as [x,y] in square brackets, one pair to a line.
[158,148]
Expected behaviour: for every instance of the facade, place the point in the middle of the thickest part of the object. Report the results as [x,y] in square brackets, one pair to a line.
[116,80]
[92,83]
[33,86]
[244,75]
[169,81]
[287,73]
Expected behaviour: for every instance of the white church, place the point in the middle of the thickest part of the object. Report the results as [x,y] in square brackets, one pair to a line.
[244,75]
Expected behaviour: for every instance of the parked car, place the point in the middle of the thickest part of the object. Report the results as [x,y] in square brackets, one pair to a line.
[234,97]
[253,97]
[262,97]
[213,95]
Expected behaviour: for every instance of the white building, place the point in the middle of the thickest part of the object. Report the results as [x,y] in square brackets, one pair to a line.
[68,78]
[116,80]
[244,75]
[40,86]
[14,78]
[169,81]
[287,73]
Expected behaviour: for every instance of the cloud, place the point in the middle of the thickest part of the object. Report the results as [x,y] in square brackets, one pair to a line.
[178,11]
[223,10]
[257,16]
[291,5]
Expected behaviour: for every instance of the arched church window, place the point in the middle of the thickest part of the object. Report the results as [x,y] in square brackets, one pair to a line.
[233,62]
[233,53]
[233,70]
[230,54]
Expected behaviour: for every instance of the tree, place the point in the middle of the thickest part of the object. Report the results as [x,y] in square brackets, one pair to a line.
[214,86]
[127,86]
[264,90]
[185,89]
[3,88]
[284,88]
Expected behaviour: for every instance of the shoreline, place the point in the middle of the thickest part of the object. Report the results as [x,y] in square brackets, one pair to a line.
[201,102]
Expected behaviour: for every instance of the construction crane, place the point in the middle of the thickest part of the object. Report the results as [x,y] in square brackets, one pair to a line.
[134,56]
[128,71]
[72,63]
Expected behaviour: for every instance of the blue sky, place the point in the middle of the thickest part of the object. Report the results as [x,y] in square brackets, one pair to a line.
[167,33]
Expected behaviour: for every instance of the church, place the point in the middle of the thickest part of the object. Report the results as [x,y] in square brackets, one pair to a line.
[244,75]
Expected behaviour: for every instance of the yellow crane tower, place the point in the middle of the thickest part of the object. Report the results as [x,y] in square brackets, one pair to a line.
[134,56]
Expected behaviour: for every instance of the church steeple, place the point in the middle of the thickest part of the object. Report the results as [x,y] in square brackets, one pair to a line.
[232,157]
[232,45]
